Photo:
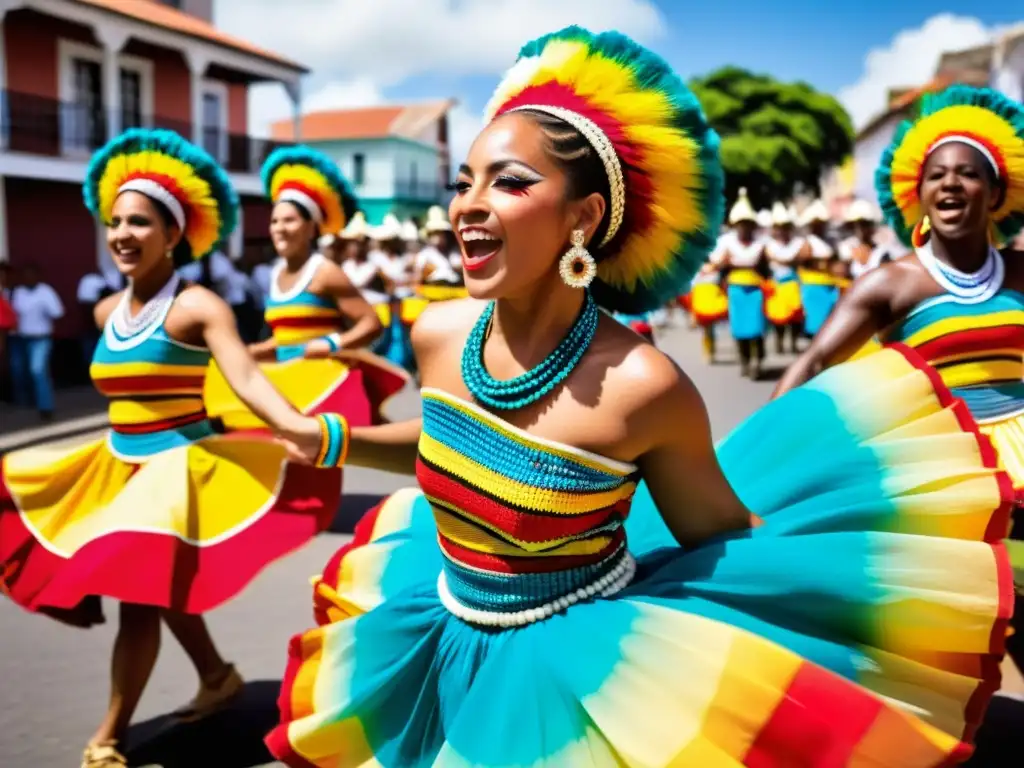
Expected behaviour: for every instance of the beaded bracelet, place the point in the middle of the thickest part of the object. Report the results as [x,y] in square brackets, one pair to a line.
[334,439]
[333,341]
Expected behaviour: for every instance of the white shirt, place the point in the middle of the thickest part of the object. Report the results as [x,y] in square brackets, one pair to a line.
[36,309]
[361,274]
[782,255]
[223,275]
[261,276]
[440,268]
[729,248]
[92,286]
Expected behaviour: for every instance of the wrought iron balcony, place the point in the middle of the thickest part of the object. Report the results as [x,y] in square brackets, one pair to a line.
[42,126]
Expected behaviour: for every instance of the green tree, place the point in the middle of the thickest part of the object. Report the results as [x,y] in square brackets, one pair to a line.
[775,136]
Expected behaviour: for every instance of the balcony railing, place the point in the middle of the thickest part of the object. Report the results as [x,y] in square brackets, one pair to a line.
[420,191]
[41,126]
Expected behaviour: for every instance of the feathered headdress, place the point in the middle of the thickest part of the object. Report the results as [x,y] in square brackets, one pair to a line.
[980,117]
[310,179]
[179,175]
[659,153]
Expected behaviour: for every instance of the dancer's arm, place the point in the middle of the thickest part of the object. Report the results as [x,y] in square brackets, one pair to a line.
[242,373]
[387,447]
[264,351]
[365,327]
[679,465]
[861,313]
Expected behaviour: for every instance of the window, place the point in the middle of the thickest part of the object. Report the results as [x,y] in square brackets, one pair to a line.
[86,124]
[213,125]
[131,99]
[412,177]
[359,169]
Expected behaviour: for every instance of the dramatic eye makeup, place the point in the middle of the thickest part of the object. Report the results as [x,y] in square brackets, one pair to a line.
[515,182]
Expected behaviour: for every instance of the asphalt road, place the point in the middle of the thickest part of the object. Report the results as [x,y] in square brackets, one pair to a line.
[53,679]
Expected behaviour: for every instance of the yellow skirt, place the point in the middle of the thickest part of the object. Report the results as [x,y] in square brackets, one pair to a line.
[185,530]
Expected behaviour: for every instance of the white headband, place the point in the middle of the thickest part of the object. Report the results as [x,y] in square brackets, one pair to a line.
[599,140]
[985,152]
[307,202]
[152,190]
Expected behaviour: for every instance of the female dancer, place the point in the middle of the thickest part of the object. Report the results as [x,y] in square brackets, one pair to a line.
[783,307]
[708,306]
[741,254]
[951,184]
[162,514]
[499,617]
[313,309]
[818,289]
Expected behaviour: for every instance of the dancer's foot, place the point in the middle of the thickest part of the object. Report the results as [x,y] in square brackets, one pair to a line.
[103,754]
[213,695]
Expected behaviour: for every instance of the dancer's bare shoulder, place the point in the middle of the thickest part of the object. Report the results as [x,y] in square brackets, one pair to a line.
[105,307]
[439,332]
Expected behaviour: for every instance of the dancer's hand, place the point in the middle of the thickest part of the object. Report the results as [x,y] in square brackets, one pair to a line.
[302,440]
[317,350]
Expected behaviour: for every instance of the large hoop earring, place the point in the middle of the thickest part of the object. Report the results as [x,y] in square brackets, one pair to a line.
[577,267]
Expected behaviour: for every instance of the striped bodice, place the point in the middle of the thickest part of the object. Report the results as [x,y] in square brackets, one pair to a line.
[155,388]
[521,520]
[978,349]
[298,316]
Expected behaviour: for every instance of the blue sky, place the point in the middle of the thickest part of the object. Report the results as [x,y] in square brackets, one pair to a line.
[821,42]
[365,52]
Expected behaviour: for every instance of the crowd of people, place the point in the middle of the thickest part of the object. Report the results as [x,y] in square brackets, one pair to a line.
[581,576]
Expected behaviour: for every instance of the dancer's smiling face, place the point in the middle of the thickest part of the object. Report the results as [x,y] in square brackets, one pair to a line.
[959,190]
[517,201]
[292,230]
[141,234]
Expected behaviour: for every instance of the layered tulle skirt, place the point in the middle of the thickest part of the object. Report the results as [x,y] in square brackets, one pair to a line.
[860,625]
[356,384]
[186,530]
[708,303]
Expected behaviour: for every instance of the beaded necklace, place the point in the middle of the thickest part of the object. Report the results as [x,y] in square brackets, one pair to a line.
[966,287]
[537,382]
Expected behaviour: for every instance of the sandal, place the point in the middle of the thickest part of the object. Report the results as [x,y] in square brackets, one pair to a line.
[211,698]
[103,754]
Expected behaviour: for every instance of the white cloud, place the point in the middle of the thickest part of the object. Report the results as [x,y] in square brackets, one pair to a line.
[909,60]
[391,40]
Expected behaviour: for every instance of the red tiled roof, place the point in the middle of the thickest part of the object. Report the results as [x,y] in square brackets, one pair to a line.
[160,15]
[407,121]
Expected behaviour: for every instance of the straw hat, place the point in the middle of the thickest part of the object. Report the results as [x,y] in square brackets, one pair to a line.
[781,215]
[861,210]
[357,228]
[742,210]
[437,220]
[764,218]
[409,232]
[389,229]
[816,211]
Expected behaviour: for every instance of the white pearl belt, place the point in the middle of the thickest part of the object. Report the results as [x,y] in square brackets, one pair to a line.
[617,579]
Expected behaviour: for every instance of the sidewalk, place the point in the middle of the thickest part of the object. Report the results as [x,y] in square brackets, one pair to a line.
[79,409]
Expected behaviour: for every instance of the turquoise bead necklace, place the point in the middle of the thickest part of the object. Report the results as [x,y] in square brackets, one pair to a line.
[537,382]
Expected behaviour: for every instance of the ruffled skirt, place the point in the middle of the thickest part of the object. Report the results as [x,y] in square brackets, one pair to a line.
[861,625]
[708,303]
[187,530]
[356,384]
[783,305]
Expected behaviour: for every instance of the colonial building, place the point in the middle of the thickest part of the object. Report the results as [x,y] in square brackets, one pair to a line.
[74,73]
[397,157]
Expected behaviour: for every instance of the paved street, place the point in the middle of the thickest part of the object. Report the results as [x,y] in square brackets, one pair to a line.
[54,679]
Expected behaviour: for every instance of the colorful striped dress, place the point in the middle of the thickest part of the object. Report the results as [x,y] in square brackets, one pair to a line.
[357,388]
[833,634]
[162,511]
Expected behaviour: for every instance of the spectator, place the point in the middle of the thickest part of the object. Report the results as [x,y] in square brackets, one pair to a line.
[8,321]
[6,280]
[37,306]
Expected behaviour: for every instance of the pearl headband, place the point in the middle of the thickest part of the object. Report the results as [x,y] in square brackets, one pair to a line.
[599,140]
[155,191]
[985,151]
[307,202]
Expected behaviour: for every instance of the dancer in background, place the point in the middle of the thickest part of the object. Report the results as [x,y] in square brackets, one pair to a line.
[505,614]
[162,515]
[313,310]
[860,253]
[818,289]
[952,186]
[740,253]
[708,306]
[783,307]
